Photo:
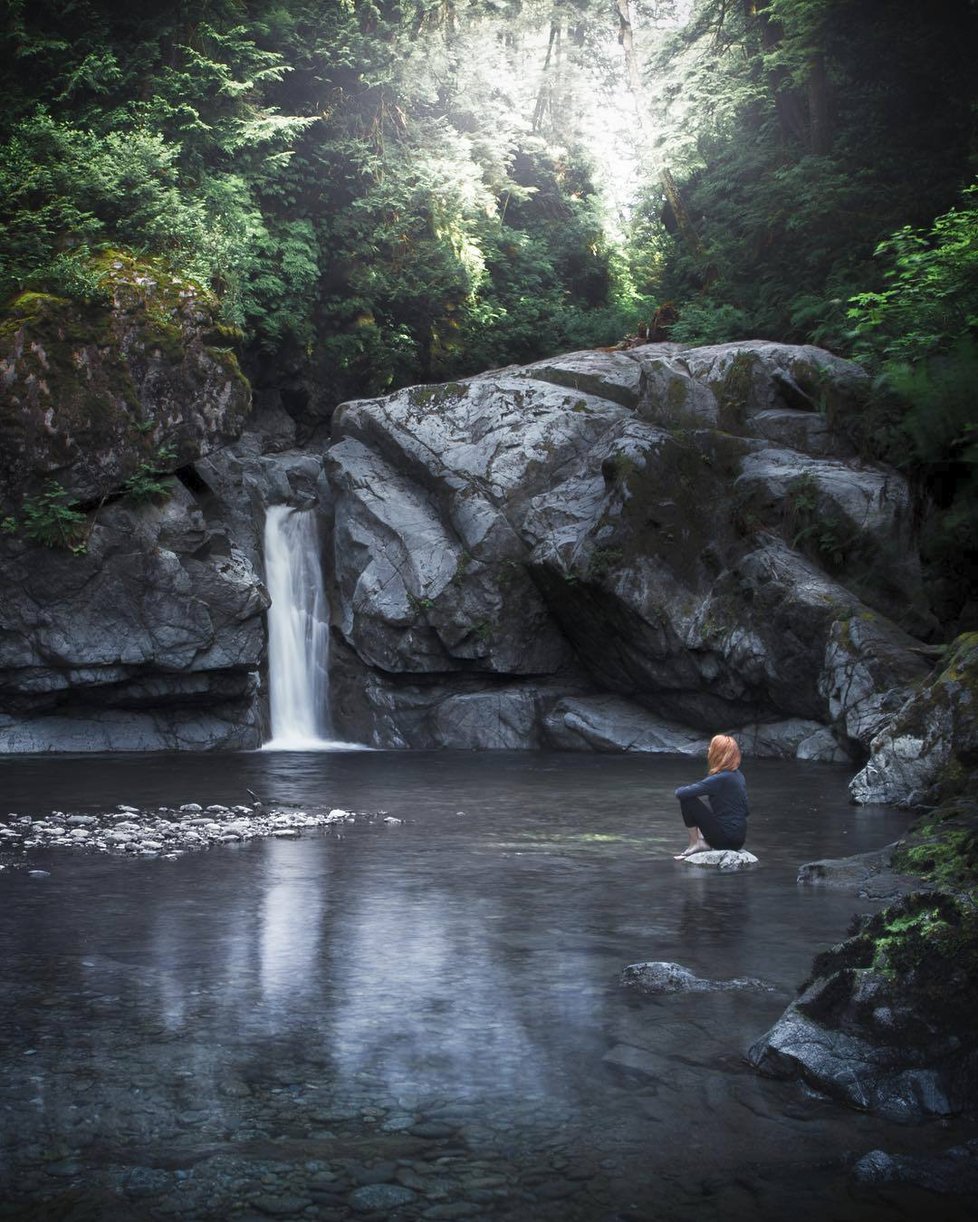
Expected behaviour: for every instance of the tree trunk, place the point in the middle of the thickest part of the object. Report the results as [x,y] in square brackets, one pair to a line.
[819,111]
[803,117]
[546,82]
[673,195]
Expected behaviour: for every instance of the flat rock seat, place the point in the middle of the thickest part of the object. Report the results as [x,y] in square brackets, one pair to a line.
[722,859]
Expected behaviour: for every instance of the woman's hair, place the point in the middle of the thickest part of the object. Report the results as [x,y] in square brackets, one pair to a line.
[723,755]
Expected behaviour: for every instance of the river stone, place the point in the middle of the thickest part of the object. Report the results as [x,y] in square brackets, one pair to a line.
[953,1172]
[662,977]
[371,1197]
[280,1206]
[722,859]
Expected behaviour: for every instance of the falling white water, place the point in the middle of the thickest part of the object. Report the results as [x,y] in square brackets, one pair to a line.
[298,632]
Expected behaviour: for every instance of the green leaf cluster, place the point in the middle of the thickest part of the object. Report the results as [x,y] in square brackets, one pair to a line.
[50,518]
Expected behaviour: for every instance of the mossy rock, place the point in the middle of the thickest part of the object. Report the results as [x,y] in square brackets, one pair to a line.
[923,950]
[95,392]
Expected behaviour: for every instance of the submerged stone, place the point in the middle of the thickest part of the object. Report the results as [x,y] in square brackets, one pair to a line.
[371,1197]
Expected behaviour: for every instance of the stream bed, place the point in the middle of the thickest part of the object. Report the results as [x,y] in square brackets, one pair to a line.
[422,1019]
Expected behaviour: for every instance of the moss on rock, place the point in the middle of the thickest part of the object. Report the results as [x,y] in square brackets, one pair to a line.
[93,392]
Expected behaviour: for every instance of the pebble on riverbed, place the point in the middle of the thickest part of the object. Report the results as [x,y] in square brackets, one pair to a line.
[167,832]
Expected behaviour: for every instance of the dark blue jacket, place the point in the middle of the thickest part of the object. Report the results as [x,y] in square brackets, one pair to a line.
[727,794]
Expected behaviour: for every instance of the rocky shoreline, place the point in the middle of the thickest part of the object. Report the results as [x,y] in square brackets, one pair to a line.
[164,831]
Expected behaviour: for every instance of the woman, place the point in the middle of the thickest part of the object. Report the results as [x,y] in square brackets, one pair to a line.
[721,821]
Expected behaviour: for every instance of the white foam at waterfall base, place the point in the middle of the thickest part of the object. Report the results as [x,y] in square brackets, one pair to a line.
[298,634]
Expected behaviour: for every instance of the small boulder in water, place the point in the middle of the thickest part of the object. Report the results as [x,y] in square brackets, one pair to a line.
[722,859]
[662,977]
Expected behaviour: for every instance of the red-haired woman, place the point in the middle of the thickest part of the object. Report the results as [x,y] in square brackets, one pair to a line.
[721,821]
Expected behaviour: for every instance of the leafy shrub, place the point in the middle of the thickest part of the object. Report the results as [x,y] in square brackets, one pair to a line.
[51,519]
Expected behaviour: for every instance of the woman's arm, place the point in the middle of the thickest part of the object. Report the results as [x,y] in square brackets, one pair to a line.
[697,788]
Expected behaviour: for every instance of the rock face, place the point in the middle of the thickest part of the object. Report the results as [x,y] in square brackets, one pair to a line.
[621,551]
[149,633]
[91,394]
[931,741]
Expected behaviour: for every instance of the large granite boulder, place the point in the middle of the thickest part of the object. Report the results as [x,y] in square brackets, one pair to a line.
[144,630]
[622,550]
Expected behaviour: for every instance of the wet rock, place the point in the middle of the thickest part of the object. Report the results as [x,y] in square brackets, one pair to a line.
[608,723]
[933,734]
[855,1071]
[449,1210]
[954,1172]
[371,1197]
[280,1206]
[635,1060]
[886,1023]
[433,1129]
[379,1173]
[722,859]
[869,875]
[656,977]
[146,1182]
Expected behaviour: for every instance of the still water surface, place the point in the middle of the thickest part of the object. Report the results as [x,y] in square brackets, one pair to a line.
[422,1020]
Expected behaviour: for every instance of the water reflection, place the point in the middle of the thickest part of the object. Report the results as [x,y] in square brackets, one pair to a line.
[423,1000]
[293,900]
[262,1024]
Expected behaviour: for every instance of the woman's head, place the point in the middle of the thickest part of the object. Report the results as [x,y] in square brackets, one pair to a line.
[723,755]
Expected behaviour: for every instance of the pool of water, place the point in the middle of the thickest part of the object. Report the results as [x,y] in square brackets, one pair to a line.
[422,1020]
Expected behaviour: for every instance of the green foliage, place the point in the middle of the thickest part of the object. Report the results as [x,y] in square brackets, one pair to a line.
[361,184]
[930,299]
[919,333]
[50,518]
[802,132]
[150,480]
[707,321]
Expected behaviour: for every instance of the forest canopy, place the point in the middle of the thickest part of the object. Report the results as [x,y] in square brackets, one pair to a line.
[382,192]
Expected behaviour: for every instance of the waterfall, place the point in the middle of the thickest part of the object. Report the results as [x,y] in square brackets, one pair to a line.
[298,631]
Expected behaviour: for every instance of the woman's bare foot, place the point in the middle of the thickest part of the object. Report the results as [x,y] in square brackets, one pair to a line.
[698,846]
